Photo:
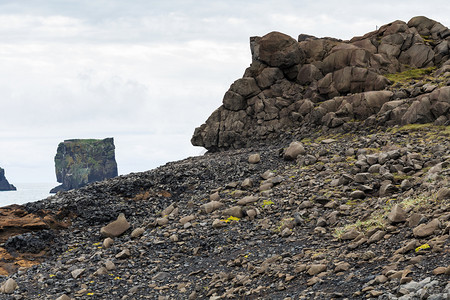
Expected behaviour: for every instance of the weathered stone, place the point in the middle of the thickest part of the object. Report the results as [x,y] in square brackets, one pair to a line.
[315,269]
[116,228]
[294,150]
[424,230]
[9,286]
[279,50]
[247,200]
[397,214]
[254,158]
[124,254]
[79,162]
[137,232]
[211,206]
[77,273]
[235,211]
[350,235]
[107,243]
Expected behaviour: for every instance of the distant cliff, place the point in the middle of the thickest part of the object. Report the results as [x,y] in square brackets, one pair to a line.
[4,184]
[82,161]
[396,75]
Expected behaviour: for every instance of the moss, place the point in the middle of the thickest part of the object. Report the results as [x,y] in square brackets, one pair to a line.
[408,75]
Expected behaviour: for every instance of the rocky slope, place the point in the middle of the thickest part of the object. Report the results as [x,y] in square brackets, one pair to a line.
[82,161]
[359,211]
[4,184]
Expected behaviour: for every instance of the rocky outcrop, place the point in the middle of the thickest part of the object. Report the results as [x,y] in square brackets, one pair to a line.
[334,84]
[4,184]
[82,161]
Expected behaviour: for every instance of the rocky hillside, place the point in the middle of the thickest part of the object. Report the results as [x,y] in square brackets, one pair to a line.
[398,74]
[356,211]
[4,184]
[82,161]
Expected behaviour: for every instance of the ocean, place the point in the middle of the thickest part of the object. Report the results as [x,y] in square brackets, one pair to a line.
[26,192]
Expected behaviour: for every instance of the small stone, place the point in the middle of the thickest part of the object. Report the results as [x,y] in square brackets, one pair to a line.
[377,236]
[312,281]
[350,235]
[101,271]
[397,214]
[254,158]
[439,270]
[362,177]
[137,232]
[77,273]
[247,200]
[107,243]
[124,254]
[168,210]
[316,269]
[443,193]
[424,230]
[187,219]
[8,286]
[342,266]
[286,232]
[357,194]
[266,186]
[247,183]
[174,238]
[294,150]
[415,219]
[235,211]
[218,224]
[267,174]
[162,221]
[109,265]
[116,228]
[211,206]
[214,197]
[63,297]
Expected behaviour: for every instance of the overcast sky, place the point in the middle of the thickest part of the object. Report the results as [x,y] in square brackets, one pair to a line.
[144,72]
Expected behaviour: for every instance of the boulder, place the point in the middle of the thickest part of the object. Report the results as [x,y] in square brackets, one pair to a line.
[280,50]
[294,150]
[82,161]
[116,228]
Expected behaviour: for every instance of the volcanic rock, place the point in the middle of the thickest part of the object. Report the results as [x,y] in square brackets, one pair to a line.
[79,162]
[4,184]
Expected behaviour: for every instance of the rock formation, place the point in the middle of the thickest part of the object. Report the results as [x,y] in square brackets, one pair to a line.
[335,84]
[82,161]
[4,184]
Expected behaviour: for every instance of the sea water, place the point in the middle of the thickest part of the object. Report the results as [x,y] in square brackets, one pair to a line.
[26,192]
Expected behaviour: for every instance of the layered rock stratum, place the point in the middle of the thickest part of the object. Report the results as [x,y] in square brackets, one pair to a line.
[335,84]
[356,211]
[82,161]
[4,184]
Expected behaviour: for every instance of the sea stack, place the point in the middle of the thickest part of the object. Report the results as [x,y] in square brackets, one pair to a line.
[82,161]
[4,184]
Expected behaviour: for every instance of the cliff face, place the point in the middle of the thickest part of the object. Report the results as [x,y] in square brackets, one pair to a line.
[4,184]
[82,161]
[398,74]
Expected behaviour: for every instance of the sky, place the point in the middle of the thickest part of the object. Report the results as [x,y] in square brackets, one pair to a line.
[142,71]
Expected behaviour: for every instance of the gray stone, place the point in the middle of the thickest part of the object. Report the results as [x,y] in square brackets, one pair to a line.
[294,150]
[397,214]
[424,230]
[9,286]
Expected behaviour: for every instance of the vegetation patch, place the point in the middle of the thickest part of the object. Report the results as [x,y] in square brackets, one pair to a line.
[410,74]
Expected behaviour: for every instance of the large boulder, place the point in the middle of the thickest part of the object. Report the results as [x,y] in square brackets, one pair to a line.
[280,50]
[82,161]
[4,184]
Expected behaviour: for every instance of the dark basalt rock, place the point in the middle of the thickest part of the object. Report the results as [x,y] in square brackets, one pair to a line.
[82,161]
[332,83]
[4,184]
